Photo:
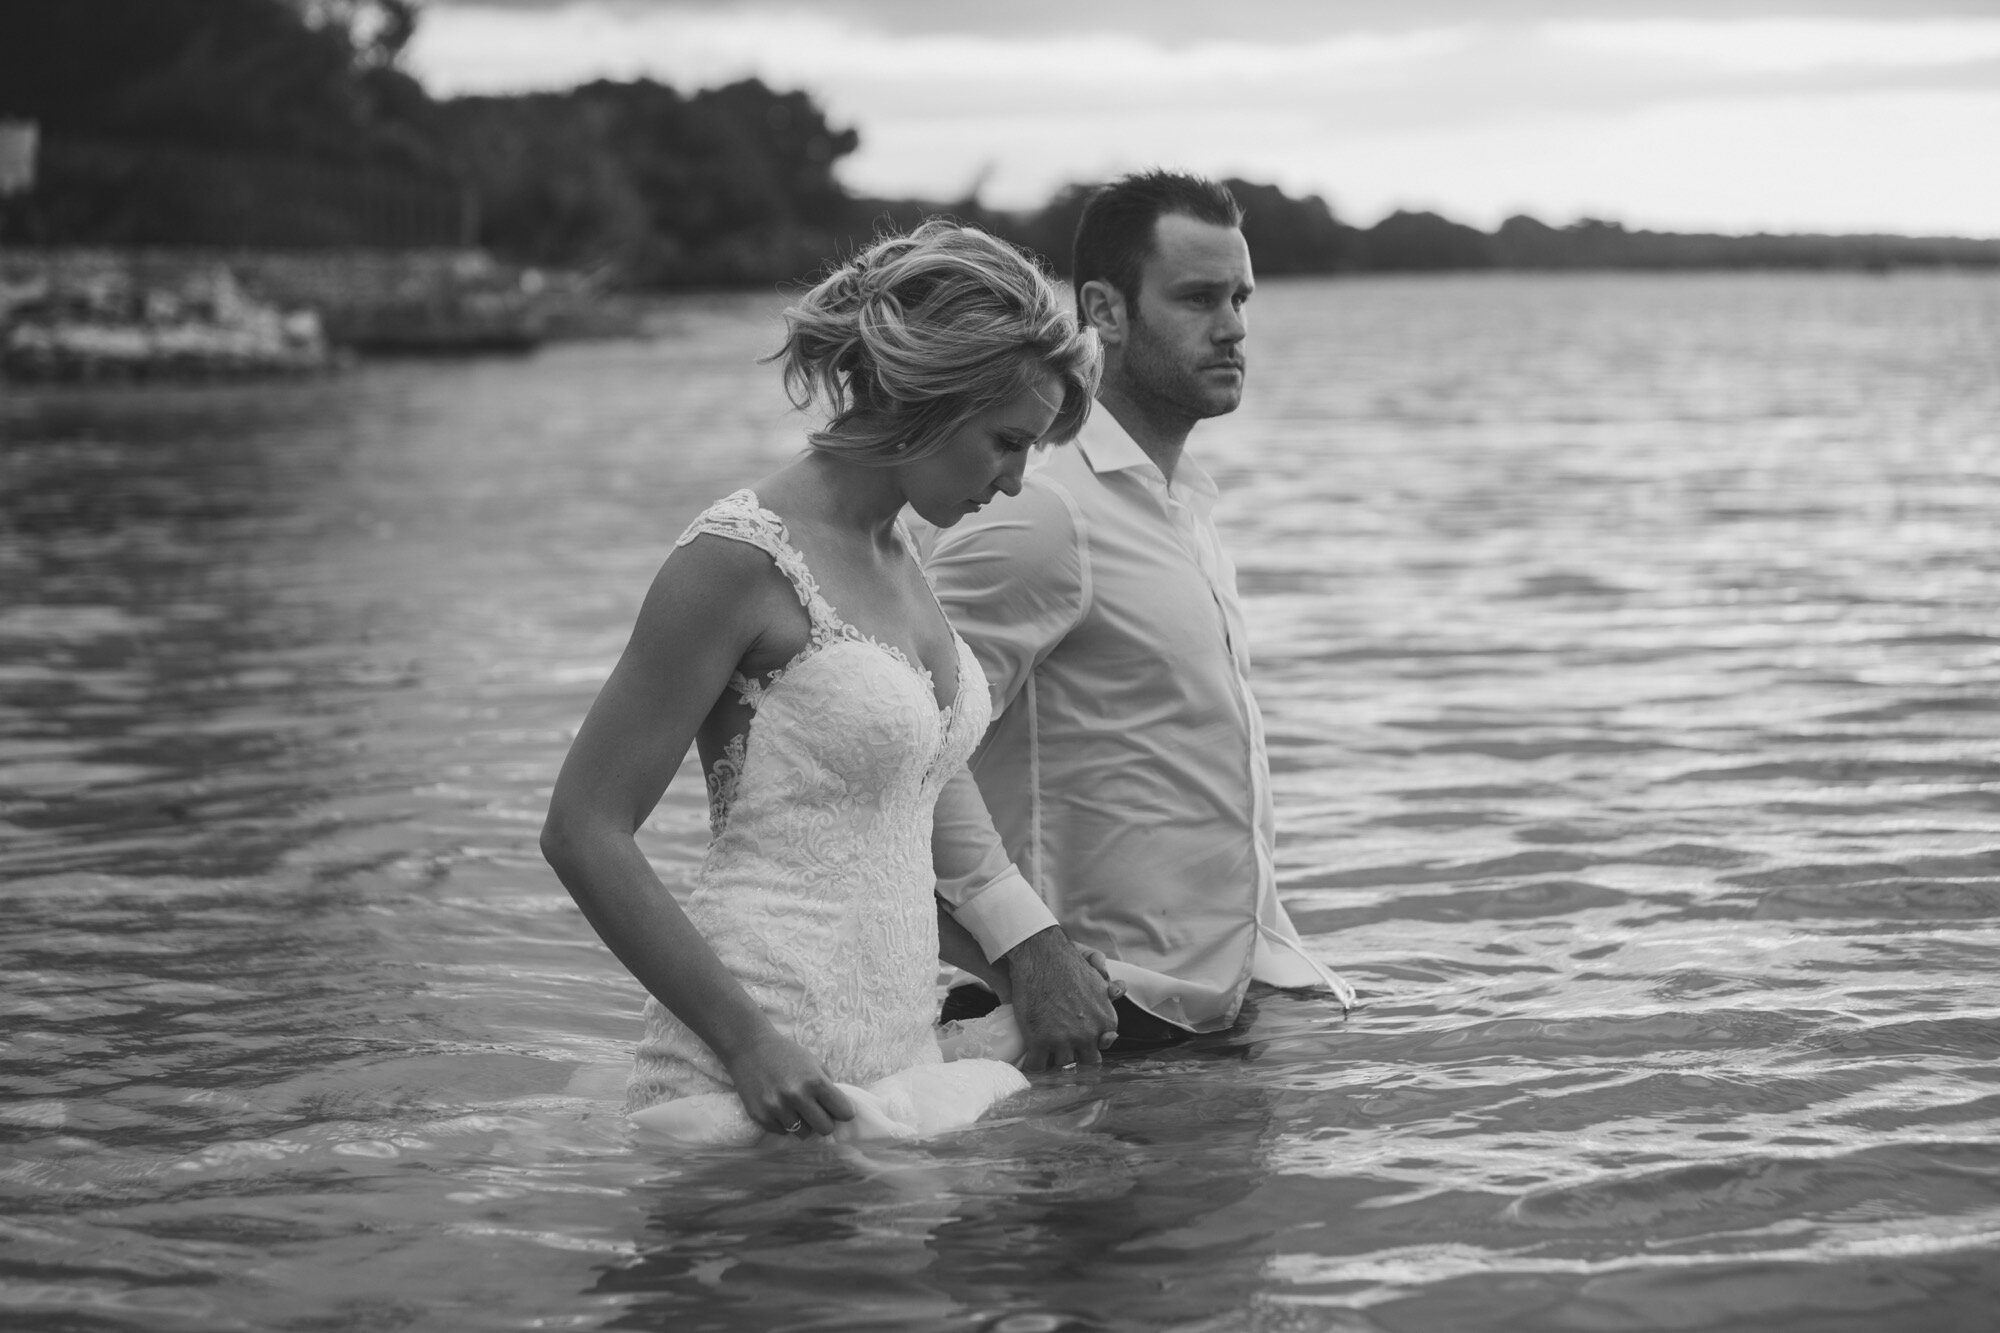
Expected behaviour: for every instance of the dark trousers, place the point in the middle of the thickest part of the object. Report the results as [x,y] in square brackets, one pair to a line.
[1137,1029]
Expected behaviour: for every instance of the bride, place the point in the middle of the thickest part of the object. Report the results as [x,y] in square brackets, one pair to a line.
[791,637]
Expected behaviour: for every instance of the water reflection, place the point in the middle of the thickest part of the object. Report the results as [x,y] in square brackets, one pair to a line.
[155,670]
[1123,1200]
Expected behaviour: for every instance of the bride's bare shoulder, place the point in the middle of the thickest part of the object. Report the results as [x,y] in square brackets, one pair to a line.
[727,592]
[720,571]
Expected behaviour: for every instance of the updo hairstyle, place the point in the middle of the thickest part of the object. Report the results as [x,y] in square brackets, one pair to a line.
[918,333]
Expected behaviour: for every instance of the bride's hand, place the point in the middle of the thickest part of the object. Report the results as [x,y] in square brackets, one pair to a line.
[786,1090]
[1095,957]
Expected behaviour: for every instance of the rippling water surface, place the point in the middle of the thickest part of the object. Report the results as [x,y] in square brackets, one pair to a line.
[1629,648]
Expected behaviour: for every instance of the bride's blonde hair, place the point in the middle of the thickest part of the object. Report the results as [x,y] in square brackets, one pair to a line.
[920,332]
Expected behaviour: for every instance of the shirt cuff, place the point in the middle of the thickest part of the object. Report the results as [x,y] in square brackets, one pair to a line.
[1003,913]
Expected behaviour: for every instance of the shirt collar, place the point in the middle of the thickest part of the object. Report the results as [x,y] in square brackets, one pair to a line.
[1107,447]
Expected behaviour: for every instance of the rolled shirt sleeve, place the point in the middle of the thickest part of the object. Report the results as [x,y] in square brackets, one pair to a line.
[977,881]
[1012,584]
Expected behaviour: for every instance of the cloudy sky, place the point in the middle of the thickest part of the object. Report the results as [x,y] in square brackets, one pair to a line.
[1729,115]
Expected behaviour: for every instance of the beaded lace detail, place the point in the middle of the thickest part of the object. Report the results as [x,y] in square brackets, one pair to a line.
[739,517]
[817,890]
[722,782]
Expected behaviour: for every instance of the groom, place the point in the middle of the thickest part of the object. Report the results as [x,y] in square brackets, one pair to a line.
[1125,770]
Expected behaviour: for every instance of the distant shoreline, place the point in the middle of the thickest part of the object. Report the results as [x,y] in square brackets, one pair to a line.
[96,313]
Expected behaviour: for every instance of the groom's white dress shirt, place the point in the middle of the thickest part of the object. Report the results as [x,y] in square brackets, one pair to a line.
[1125,770]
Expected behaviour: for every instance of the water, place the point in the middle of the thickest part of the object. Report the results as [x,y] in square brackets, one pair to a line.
[1629,651]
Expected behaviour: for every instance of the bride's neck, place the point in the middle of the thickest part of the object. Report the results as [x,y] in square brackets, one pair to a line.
[841,495]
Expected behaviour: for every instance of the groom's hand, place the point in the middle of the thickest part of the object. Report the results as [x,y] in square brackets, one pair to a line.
[1062,1004]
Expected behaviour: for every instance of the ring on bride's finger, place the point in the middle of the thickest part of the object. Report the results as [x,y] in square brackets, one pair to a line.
[1070,1065]
[795,1127]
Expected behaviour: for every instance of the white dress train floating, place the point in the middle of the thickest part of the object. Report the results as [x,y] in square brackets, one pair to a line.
[914,1103]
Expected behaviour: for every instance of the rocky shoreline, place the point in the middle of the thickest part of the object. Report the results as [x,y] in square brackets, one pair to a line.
[112,326]
[107,315]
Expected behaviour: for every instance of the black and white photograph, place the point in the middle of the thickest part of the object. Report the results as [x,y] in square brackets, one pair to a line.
[892,666]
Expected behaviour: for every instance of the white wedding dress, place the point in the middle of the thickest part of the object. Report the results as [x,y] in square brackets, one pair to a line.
[817,890]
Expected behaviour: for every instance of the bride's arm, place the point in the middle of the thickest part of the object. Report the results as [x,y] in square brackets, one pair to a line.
[957,947]
[706,611]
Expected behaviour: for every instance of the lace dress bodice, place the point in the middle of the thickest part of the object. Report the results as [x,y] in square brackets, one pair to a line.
[817,890]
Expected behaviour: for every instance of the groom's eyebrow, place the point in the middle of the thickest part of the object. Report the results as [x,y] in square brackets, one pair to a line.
[1211,282]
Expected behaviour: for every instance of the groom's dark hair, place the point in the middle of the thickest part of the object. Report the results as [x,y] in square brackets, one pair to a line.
[1115,235]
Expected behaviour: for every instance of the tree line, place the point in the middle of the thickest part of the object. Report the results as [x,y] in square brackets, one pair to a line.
[291,123]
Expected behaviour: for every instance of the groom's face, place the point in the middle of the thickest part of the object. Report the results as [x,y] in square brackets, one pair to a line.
[1184,341]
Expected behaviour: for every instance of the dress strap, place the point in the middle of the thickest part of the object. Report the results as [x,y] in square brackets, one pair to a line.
[739,517]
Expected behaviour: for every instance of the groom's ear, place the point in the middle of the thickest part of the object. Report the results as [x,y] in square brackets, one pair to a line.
[1104,310]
